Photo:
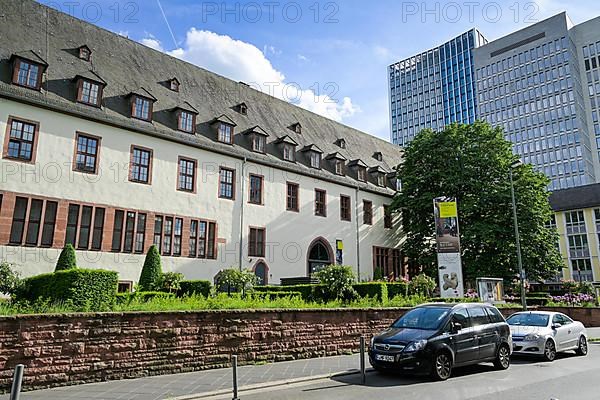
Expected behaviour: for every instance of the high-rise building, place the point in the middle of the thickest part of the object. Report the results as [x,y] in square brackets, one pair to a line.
[531,83]
[434,88]
[541,84]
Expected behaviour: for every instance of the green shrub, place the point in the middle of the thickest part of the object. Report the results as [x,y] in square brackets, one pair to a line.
[378,274]
[337,282]
[538,294]
[278,294]
[151,275]
[422,284]
[375,290]
[66,259]
[233,280]
[188,288]
[396,289]
[308,292]
[170,282]
[83,289]
[142,297]
[10,281]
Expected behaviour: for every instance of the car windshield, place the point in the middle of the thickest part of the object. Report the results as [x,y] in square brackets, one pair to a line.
[528,319]
[428,318]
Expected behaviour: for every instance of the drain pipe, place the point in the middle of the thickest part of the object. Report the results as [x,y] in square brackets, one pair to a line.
[243,192]
[357,232]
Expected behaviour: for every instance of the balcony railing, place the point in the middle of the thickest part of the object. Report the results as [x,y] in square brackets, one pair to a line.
[583,276]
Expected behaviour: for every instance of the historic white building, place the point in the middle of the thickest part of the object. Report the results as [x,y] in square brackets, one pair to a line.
[112,146]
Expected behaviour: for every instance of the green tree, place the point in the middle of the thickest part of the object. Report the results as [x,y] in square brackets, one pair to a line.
[66,259]
[171,282]
[234,280]
[10,280]
[151,276]
[472,164]
[337,282]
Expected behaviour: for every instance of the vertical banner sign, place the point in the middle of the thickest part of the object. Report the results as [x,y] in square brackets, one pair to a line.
[448,247]
[339,250]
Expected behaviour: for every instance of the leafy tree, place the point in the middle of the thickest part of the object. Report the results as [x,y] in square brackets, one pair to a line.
[472,164]
[170,282]
[422,284]
[151,276]
[66,259]
[234,280]
[10,280]
[337,282]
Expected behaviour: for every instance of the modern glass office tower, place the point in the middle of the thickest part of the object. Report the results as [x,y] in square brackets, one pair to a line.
[541,83]
[434,88]
[531,83]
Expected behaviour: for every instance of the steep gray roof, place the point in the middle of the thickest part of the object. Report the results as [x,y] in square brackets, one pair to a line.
[129,67]
[575,198]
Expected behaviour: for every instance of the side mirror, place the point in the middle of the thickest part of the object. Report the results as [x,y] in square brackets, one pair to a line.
[556,325]
[456,326]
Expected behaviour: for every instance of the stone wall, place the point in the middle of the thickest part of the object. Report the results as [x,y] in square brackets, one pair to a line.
[79,348]
[72,349]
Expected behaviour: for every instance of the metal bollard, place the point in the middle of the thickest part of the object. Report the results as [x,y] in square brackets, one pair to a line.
[363,377]
[235,383]
[15,390]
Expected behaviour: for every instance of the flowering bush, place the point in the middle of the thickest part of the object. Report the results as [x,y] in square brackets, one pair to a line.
[570,299]
[422,285]
[337,282]
[471,294]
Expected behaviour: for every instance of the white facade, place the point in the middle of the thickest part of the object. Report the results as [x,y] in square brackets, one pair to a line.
[288,234]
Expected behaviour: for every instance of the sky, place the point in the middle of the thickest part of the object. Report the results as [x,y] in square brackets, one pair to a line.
[330,57]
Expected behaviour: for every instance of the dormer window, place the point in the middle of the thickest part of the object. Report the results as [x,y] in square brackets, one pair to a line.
[315,160]
[339,167]
[361,173]
[225,133]
[242,108]
[378,156]
[174,84]
[85,53]
[89,89]
[380,179]
[259,143]
[186,121]
[296,128]
[289,152]
[141,108]
[341,143]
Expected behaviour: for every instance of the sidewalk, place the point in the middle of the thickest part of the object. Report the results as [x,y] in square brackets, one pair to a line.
[202,382]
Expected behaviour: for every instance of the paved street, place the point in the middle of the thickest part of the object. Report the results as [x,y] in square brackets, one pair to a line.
[524,374]
[568,377]
[170,386]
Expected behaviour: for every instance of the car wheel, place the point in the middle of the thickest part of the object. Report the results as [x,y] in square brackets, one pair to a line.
[442,366]
[582,349]
[502,360]
[549,351]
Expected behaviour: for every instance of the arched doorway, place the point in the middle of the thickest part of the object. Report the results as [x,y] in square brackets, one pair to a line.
[320,255]
[262,273]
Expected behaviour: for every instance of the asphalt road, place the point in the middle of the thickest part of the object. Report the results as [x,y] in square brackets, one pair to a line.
[568,377]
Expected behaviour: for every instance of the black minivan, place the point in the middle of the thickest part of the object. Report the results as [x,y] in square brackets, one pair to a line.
[434,338]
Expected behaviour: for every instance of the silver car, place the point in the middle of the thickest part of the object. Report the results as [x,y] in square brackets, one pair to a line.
[546,333]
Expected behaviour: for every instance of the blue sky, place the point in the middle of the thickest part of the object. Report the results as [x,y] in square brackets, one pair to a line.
[329,57]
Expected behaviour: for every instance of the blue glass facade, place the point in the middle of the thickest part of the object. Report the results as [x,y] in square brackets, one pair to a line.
[434,88]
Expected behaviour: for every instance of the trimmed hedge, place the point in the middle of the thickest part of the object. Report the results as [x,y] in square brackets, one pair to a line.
[125,298]
[66,259]
[85,289]
[396,289]
[188,288]
[308,292]
[151,274]
[376,290]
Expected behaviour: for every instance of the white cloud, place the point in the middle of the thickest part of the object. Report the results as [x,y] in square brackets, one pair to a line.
[245,62]
[152,43]
[302,57]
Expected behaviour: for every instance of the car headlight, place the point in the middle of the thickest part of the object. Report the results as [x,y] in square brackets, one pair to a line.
[415,346]
[532,336]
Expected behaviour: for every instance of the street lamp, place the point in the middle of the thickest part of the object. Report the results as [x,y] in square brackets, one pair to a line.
[513,166]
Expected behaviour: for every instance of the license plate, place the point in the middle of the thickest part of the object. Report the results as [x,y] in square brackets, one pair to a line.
[384,357]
